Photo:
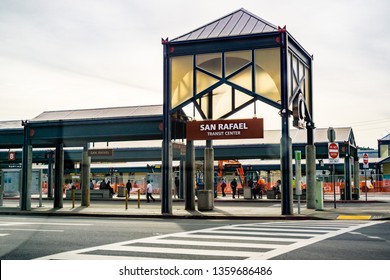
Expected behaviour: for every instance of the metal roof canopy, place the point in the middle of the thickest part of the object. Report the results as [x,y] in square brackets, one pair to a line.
[11,134]
[75,128]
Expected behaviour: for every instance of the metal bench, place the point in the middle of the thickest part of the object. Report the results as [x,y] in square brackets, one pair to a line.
[93,194]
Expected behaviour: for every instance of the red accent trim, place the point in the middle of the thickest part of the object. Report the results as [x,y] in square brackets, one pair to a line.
[282,29]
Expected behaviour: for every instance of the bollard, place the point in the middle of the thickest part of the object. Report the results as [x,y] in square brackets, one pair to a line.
[73,197]
[88,198]
[126,199]
[139,198]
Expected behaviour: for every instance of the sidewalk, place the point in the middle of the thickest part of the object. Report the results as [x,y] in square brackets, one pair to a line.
[375,208]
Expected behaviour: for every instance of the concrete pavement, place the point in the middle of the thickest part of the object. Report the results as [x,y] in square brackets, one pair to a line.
[376,207]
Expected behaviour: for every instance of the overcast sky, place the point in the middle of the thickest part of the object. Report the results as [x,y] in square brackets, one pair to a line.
[76,54]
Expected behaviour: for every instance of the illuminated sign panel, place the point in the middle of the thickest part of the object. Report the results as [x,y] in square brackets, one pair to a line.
[100,152]
[225,129]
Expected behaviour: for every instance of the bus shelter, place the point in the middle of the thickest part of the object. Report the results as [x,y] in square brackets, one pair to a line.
[227,65]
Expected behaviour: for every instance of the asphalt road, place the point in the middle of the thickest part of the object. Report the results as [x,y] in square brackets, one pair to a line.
[25,238]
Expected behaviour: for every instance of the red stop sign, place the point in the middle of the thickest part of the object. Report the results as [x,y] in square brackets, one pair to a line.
[333,150]
[365,158]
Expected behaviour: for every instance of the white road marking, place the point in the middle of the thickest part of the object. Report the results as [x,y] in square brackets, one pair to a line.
[228,238]
[42,223]
[31,229]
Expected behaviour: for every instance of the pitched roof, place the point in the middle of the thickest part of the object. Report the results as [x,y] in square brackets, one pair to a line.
[10,124]
[387,137]
[100,113]
[240,22]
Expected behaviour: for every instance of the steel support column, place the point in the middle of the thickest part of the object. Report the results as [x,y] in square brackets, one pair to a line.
[166,197]
[50,156]
[59,176]
[180,191]
[85,176]
[348,176]
[285,142]
[25,195]
[356,179]
[190,176]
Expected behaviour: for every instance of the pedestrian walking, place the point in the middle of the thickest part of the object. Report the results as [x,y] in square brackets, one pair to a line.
[149,192]
[177,184]
[108,186]
[223,186]
[128,187]
[233,185]
[252,186]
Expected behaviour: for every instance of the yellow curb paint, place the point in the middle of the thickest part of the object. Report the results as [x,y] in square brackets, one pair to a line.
[352,217]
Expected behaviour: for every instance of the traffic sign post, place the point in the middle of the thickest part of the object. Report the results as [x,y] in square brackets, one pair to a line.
[365,166]
[333,155]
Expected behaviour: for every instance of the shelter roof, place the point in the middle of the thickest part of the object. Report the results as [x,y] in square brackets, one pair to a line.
[100,113]
[240,22]
[386,138]
[11,124]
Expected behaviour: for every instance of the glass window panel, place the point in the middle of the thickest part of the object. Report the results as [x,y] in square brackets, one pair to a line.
[181,79]
[268,73]
[240,98]
[295,73]
[203,81]
[243,78]
[204,104]
[222,101]
[289,74]
[236,60]
[307,88]
[301,70]
[211,62]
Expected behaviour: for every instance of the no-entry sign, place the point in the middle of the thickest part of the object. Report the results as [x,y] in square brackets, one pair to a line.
[333,152]
[365,160]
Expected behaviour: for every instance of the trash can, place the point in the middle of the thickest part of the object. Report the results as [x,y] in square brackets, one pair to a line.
[271,194]
[205,200]
[121,191]
[247,193]
[342,194]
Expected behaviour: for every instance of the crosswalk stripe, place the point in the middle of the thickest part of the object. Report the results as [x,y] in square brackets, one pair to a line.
[257,233]
[225,253]
[215,243]
[303,243]
[246,241]
[251,238]
[258,229]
